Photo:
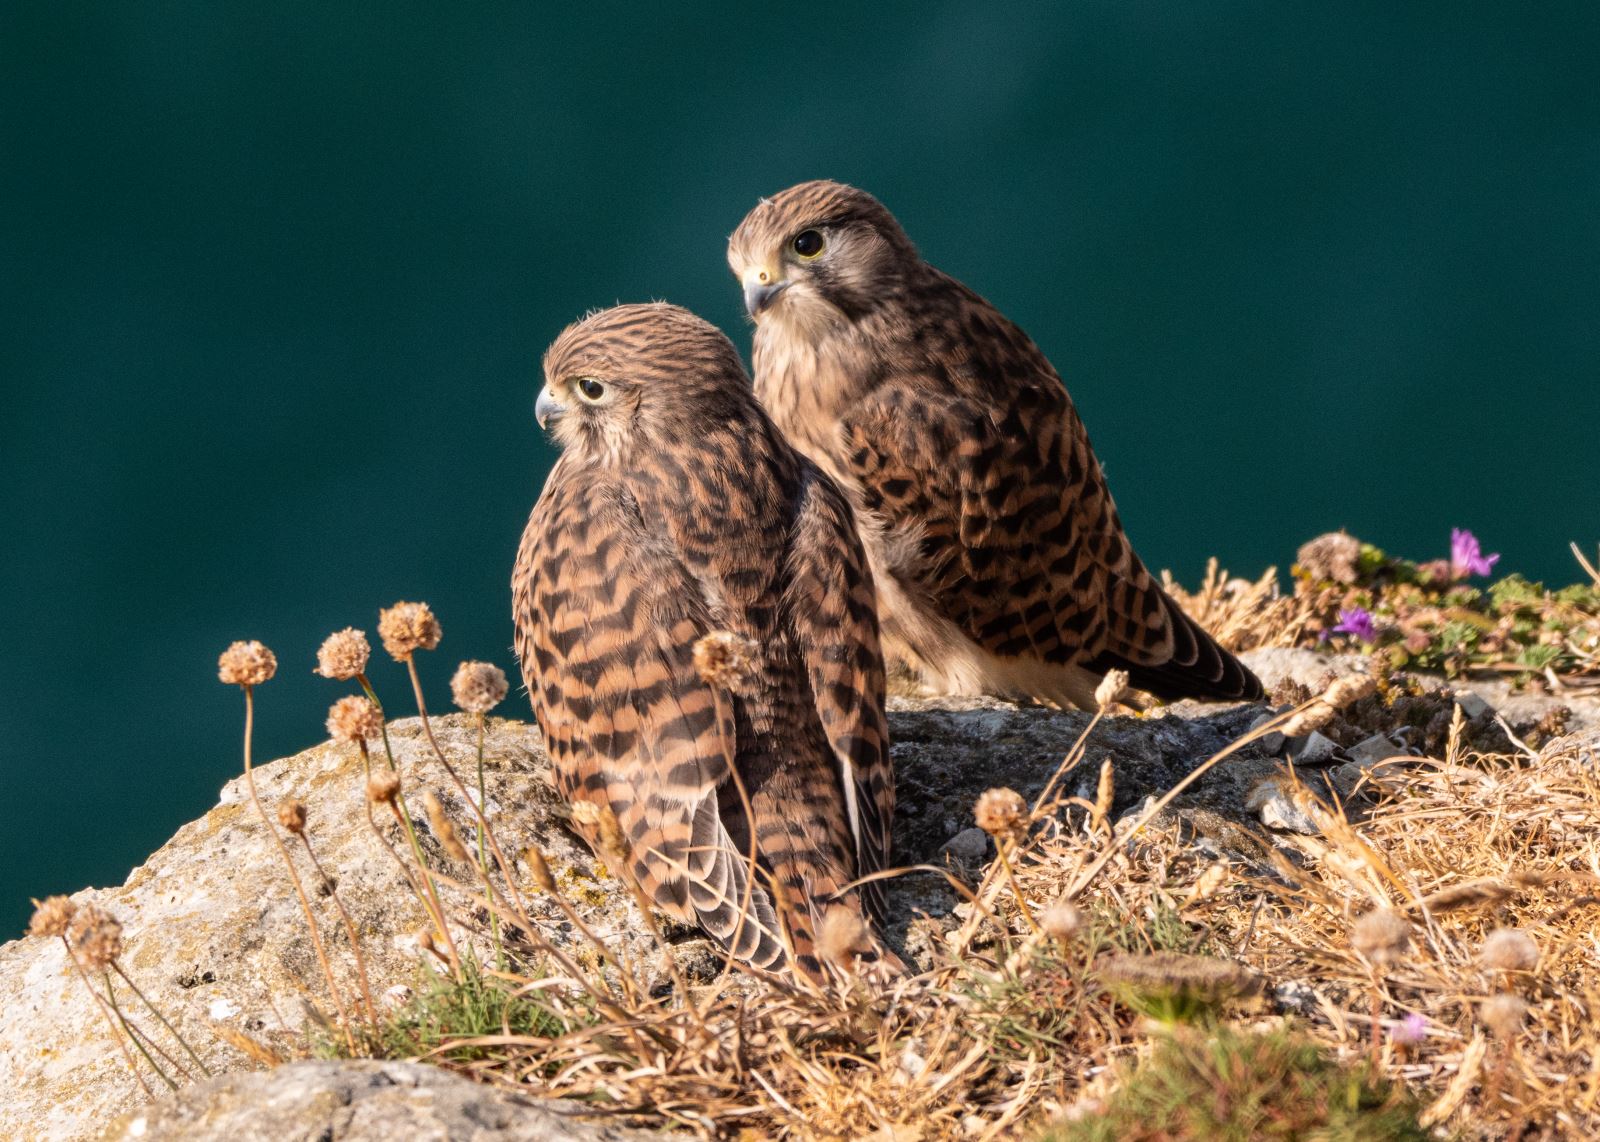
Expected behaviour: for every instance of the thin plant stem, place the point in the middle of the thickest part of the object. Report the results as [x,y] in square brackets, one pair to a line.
[1000,846]
[349,929]
[483,850]
[156,1011]
[483,821]
[294,875]
[403,814]
[138,1037]
[106,1011]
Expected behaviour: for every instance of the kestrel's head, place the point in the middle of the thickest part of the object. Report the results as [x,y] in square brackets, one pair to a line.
[818,255]
[638,376]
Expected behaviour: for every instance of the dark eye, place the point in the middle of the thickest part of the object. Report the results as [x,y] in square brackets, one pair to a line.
[590,389]
[807,243]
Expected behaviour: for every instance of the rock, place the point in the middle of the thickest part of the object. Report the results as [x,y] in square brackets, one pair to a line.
[358,1102]
[969,847]
[216,938]
[1273,742]
[1312,749]
[1374,749]
[1271,802]
[1472,705]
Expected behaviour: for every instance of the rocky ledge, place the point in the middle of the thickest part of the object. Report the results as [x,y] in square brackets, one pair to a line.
[215,936]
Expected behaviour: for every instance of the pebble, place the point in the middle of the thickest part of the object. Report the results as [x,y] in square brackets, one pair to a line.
[1277,810]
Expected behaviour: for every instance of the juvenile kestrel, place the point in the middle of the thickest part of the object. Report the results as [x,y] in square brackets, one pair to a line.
[1001,565]
[676,510]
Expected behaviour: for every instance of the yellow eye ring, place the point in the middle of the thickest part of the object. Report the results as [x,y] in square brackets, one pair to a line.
[590,389]
[808,244]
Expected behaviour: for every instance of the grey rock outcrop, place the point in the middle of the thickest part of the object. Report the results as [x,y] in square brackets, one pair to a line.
[215,936]
[372,1102]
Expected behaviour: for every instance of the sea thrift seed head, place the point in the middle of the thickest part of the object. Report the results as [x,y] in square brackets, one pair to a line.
[383,788]
[1466,556]
[1000,812]
[407,628]
[1381,937]
[292,816]
[478,687]
[1113,688]
[246,664]
[52,916]
[1061,922]
[1509,949]
[344,654]
[1334,557]
[354,718]
[1503,1015]
[844,935]
[96,938]
[727,661]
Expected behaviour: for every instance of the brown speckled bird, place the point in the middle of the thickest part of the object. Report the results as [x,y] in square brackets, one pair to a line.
[677,510]
[1001,565]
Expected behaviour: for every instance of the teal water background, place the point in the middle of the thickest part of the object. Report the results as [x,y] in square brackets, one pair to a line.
[275,279]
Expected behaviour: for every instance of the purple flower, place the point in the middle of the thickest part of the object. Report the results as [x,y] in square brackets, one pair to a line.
[1410,1031]
[1357,623]
[1466,557]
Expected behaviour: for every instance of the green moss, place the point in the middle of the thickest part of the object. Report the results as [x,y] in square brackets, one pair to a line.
[1233,1086]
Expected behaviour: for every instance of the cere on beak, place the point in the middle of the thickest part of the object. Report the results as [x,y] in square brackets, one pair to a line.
[547,410]
[760,295]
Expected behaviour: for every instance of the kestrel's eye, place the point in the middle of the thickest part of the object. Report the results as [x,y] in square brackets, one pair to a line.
[807,243]
[590,389]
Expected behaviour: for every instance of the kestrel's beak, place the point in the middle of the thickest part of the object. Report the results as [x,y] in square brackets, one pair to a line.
[547,410]
[759,294]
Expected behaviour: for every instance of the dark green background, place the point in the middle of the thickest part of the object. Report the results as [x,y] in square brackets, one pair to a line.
[274,285]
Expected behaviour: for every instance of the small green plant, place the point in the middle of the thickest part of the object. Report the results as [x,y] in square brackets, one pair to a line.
[1235,1086]
[450,1016]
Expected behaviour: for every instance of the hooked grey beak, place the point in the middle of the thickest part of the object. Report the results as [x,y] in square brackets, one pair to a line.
[547,410]
[758,296]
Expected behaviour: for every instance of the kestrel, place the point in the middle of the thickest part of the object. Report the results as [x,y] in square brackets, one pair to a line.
[678,511]
[1001,564]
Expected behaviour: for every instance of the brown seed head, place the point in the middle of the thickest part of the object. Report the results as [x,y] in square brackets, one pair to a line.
[1509,949]
[344,654]
[383,788]
[96,938]
[354,718]
[1001,812]
[614,844]
[292,816]
[1381,937]
[1113,688]
[727,661]
[478,687]
[246,664]
[1331,557]
[51,916]
[1208,978]
[407,628]
[539,868]
[844,936]
[443,828]
[1061,922]
[425,940]
[1503,1015]
[1351,688]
